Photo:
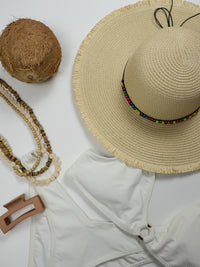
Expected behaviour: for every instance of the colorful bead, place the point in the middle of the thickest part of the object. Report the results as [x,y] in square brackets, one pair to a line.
[150,118]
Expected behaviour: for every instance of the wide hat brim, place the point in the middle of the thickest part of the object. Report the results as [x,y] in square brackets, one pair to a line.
[97,74]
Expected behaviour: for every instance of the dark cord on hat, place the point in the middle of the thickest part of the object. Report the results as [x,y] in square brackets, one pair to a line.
[168,16]
[189,18]
[167,13]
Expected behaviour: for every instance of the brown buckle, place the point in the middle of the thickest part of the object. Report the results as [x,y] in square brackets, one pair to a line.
[141,238]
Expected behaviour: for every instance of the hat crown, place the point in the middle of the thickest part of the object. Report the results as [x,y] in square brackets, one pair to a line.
[162,77]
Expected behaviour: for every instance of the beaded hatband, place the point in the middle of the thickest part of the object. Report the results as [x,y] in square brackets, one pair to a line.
[150,118]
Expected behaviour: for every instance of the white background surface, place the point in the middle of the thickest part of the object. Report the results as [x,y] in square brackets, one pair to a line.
[55,107]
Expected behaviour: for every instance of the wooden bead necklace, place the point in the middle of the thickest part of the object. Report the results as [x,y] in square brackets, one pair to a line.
[26,113]
[19,168]
[16,163]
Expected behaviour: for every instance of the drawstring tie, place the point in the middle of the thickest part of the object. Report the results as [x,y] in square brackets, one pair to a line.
[168,15]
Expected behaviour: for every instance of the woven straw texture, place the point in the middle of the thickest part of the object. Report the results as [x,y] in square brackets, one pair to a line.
[97,73]
[162,77]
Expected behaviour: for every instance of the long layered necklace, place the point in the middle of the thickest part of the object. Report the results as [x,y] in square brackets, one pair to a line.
[13,99]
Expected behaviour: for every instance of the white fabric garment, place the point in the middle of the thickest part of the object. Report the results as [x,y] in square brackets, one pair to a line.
[122,193]
[65,236]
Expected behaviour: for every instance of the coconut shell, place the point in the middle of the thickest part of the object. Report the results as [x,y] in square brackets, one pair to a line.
[29,51]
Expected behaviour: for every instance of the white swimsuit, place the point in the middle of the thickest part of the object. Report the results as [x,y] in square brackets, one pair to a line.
[65,236]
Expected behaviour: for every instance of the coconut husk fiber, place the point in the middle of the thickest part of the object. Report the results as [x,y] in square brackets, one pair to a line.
[29,51]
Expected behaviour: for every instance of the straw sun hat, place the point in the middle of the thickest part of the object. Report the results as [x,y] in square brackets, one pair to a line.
[136,81]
